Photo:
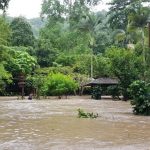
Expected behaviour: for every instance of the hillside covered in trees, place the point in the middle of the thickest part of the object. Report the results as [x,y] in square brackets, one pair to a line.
[72,40]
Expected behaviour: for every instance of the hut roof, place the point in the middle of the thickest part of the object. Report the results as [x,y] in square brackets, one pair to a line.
[103,81]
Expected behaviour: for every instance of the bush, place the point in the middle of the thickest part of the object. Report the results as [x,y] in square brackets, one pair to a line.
[96,92]
[83,114]
[141,99]
[126,66]
[59,84]
[34,84]
[114,90]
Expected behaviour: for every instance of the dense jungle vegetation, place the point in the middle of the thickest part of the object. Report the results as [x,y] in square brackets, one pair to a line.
[72,40]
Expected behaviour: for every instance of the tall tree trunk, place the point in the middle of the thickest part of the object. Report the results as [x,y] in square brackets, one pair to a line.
[144,52]
[92,65]
[149,32]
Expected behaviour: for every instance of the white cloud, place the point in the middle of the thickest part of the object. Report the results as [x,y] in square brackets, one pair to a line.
[102,6]
[27,8]
[32,8]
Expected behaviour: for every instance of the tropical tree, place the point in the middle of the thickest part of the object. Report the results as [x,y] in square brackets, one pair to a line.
[20,62]
[5,76]
[4,4]
[137,22]
[57,40]
[34,84]
[45,54]
[4,32]
[46,49]
[94,26]
[141,99]
[120,10]
[22,34]
[102,67]
[126,66]
[69,9]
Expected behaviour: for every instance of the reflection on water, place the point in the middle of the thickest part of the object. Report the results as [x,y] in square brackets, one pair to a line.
[53,125]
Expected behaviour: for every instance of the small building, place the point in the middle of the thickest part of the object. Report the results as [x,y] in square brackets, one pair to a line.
[101,82]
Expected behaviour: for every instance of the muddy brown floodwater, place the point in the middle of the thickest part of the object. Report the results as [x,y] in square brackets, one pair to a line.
[53,125]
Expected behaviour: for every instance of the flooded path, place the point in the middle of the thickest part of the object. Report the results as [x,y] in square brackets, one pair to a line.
[53,125]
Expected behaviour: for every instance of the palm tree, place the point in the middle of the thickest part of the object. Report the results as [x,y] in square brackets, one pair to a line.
[137,22]
[90,24]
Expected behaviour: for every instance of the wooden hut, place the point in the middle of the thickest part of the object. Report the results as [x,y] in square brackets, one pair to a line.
[103,82]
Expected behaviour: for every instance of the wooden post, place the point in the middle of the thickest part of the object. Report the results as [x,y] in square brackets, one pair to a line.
[21,84]
[22,92]
[92,66]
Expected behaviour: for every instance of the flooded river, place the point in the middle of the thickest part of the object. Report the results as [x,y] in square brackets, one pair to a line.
[53,125]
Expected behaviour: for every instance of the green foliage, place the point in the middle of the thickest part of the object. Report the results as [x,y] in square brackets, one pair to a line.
[70,35]
[53,8]
[58,69]
[4,56]
[120,11]
[35,83]
[94,25]
[65,60]
[138,49]
[22,34]
[59,10]
[4,32]
[82,64]
[59,84]
[21,62]
[140,92]
[83,114]
[126,66]
[130,17]
[4,4]
[5,78]
[147,59]
[67,41]
[114,91]
[74,40]
[59,45]
[101,66]
[96,92]
[45,55]
[46,50]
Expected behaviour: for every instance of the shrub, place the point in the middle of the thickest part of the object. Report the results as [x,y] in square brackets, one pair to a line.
[34,84]
[83,114]
[114,90]
[126,66]
[59,84]
[141,99]
[96,92]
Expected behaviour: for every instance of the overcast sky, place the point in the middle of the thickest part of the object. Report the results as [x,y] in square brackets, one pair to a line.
[32,8]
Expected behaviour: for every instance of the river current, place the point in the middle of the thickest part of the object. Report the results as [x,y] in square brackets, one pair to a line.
[53,125]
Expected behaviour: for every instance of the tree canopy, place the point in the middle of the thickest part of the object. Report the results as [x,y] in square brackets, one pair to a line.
[4,4]
[5,32]
[22,34]
[74,40]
